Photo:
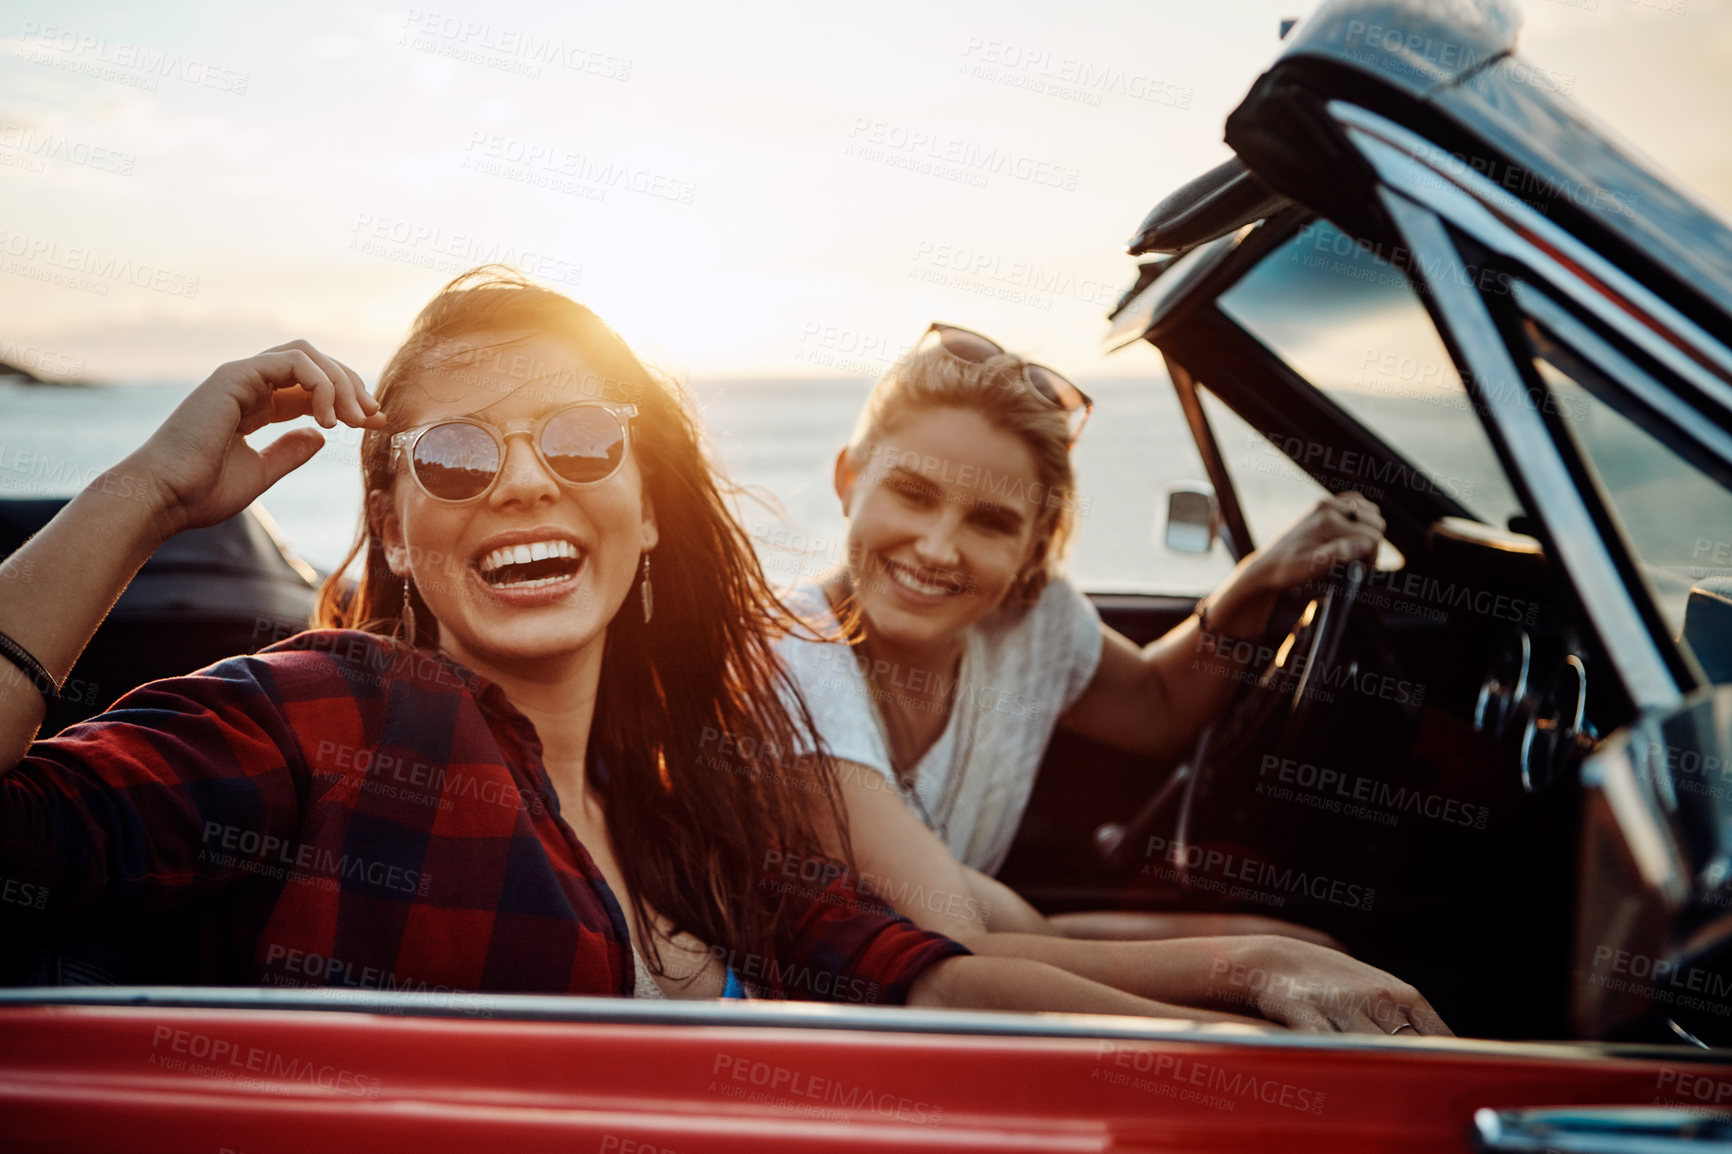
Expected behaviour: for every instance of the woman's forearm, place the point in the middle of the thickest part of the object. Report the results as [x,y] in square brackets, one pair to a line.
[1175,970]
[1196,671]
[1286,981]
[1153,700]
[197,469]
[56,589]
[1006,983]
[1003,910]
[1143,925]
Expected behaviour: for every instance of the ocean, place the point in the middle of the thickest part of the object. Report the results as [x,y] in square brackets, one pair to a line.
[777,437]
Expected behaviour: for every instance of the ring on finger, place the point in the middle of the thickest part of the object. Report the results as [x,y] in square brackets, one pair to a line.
[1404,1026]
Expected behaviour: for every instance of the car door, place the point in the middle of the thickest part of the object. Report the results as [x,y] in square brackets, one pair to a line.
[365,1070]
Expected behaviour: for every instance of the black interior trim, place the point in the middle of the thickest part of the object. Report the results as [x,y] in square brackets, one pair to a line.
[1225,199]
[1203,435]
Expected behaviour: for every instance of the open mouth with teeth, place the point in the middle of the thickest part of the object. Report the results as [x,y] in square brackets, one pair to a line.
[925,581]
[531,565]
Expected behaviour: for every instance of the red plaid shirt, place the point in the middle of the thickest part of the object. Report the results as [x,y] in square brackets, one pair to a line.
[342,810]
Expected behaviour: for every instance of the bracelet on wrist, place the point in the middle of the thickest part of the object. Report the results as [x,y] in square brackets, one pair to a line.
[1218,642]
[31,668]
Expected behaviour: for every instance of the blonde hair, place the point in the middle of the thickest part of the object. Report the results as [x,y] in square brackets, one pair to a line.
[931,377]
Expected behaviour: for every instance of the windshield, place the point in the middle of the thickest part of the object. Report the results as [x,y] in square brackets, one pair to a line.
[1673,510]
[1350,324]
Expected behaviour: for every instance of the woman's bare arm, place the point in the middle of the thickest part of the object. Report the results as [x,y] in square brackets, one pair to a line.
[1006,910]
[57,588]
[1154,700]
[1292,982]
[197,469]
[983,983]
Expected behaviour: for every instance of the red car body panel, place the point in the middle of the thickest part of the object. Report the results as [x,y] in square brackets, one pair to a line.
[255,1081]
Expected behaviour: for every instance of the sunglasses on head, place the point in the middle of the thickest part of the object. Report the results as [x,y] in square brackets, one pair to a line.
[460,458]
[976,348]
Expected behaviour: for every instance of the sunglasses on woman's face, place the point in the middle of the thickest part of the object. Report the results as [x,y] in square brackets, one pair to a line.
[460,459]
[976,348]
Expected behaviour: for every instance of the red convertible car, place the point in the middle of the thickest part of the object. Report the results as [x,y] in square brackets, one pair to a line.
[1496,763]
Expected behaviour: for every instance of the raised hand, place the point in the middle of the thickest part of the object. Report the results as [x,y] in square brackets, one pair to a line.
[198,464]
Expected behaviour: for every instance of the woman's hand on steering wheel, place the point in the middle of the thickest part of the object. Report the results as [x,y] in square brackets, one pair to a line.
[1310,987]
[1339,529]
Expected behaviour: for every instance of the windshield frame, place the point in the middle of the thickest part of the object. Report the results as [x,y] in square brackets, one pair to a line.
[1614,375]
[1204,346]
[1248,312]
[1455,224]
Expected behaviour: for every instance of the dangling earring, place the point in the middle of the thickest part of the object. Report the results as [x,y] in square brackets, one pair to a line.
[408,615]
[649,599]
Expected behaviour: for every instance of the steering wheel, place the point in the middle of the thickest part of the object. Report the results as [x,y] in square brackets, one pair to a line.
[1286,684]
[1283,694]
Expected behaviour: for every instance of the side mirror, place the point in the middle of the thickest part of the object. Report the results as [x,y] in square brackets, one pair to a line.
[1193,517]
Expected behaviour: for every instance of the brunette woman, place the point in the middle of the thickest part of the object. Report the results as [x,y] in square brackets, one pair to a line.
[553,607]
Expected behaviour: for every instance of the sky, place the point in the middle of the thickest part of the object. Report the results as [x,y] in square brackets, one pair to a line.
[744,190]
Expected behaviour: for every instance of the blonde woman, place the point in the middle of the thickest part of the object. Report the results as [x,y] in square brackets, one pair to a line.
[967,647]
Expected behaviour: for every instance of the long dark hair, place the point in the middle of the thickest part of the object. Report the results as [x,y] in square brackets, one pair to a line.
[691,829]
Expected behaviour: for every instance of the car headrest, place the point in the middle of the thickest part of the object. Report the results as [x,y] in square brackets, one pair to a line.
[1708,627]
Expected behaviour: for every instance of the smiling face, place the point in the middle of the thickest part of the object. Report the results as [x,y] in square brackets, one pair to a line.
[533,571]
[940,522]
